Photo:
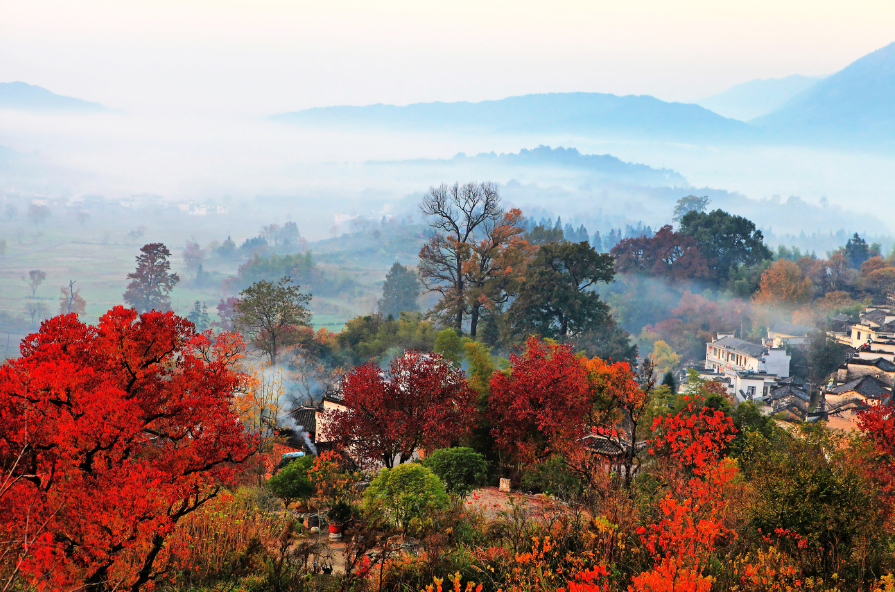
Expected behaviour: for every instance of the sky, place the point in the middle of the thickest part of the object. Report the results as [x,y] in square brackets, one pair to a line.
[257,57]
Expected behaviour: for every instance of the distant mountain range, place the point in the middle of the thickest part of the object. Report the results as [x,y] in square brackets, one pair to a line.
[856,105]
[27,97]
[628,116]
[757,97]
[604,166]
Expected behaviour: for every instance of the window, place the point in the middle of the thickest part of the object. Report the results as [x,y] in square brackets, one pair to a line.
[750,390]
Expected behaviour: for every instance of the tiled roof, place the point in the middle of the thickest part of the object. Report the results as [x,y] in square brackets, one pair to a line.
[881,363]
[869,387]
[785,391]
[305,417]
[741,347]
[793,329]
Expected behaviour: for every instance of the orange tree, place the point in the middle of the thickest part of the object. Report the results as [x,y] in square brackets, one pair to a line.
[110,435]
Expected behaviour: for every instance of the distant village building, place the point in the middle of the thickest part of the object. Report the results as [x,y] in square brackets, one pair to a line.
[750,370]
[782,334]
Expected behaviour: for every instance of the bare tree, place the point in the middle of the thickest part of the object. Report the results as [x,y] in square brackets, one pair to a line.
[35,278]
[38,311]
[457,213]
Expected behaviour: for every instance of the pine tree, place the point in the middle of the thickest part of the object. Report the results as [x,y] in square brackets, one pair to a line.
[151,283]
[399,292]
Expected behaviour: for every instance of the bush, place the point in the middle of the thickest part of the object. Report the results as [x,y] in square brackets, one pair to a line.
[292,482]
[461,469]
[552,477]
[406,494]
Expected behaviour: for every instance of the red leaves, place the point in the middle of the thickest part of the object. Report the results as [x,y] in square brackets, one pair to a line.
[422,401]
[126,426]
[541,402]
[693,439]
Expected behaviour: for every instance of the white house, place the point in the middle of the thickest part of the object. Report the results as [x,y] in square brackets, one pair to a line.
[731,355]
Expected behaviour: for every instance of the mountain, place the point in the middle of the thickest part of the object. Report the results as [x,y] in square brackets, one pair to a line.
[854,106]
[603,166]
[628,116]
[757,97]
[26,97]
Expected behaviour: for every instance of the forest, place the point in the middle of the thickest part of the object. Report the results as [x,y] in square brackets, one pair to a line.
[213,450]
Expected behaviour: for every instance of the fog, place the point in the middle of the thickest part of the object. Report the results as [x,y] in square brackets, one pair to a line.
[322,172]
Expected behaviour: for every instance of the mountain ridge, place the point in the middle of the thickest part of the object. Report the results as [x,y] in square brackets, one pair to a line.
[22,96]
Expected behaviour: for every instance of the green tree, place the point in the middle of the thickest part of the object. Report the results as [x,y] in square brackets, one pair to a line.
[450,345]
[461,469]
[292,483]
[669,381]
[199,316]
[688,204]
[405,495]
[152,282]
[399,292]
[557,297]
[664,357]
[270,312]
[726,241]
[541,235]
[856,251]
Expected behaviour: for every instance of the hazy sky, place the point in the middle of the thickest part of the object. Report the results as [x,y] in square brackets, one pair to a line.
[266,56]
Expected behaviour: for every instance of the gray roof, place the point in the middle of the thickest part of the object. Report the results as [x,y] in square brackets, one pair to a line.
[305,417]
[844,318]
[793,329]
[876,317]
[868,386]
[741,347]
[881,363]
[785,391]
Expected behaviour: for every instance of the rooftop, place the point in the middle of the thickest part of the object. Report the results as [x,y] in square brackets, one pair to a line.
[741,347]
[869,387]
[881,363]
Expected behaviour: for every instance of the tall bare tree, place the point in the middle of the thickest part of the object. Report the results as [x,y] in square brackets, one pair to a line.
[459,214]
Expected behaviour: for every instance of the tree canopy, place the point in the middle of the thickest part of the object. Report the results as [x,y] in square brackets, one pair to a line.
[152,282]
[269,312]
[399,292]
[725,240]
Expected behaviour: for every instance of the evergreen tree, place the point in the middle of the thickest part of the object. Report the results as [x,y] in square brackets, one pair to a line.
[151,283]
[399,292]
[597,242]
[199,316]
[669,381]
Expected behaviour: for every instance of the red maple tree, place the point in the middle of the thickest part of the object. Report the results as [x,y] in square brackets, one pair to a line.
[541,404]
[110,434]
[421,401]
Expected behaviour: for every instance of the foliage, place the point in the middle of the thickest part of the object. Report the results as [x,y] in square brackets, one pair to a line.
[540,403]
[783,284]
[406,494]
[399,292]
[725,240]
[555,299]
[71,300]
[856,251]
[35,278]
[460,469]
[376,338]
[270,312]
[111,435]
[664,358]
[668,254]
[688,204]
[450,345]
[199,316]
[292,483]
[460,215]
[151,283]
[553,477]
[421,401]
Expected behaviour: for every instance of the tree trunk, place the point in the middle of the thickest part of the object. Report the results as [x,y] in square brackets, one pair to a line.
[474,319]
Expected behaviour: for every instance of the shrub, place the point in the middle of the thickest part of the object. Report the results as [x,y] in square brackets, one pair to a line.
[405,494]
[461,469]
[292,482]
[552,477]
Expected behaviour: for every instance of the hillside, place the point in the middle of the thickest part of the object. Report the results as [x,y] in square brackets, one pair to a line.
[603,166]
[27,97]
[627,116]
[757,97]
[855,105]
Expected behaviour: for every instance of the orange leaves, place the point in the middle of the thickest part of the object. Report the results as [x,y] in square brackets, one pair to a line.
[783,284]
